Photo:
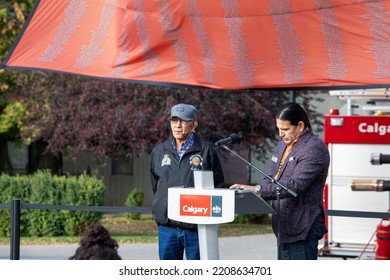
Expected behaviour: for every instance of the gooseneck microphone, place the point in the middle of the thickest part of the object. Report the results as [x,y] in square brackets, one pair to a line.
[232,138]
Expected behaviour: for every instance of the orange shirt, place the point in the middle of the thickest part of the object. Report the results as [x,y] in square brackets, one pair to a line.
[287,150]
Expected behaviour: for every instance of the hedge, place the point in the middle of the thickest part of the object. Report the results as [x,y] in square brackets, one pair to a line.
[44,188]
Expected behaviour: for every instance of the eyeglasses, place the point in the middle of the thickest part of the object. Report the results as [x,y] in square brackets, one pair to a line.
[175,120]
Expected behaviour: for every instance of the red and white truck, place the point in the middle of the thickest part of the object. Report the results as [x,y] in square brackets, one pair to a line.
[358,136]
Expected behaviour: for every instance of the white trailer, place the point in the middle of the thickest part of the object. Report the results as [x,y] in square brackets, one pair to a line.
[355,135]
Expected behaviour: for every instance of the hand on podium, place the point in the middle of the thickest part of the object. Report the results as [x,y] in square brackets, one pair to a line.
[240,187]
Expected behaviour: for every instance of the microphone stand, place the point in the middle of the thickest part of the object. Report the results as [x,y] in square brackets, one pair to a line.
[278,189]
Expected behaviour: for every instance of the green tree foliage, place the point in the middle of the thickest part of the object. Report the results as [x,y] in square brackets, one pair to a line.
[12,17]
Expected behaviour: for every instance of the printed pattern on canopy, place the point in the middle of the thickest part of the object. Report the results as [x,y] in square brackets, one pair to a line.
[222,44]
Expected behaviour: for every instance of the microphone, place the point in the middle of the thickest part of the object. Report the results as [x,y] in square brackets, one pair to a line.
[232,138]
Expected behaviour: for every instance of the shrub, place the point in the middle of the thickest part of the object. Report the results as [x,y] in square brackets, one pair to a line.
[44,188]
[134,199]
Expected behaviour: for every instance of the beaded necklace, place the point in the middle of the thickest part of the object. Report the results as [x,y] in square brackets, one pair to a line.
[287,150]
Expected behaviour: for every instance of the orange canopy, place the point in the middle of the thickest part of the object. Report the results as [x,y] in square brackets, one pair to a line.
[223,44]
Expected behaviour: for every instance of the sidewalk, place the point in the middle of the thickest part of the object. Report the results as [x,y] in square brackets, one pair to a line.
[252,247]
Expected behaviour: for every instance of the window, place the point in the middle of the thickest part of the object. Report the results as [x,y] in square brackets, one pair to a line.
[122,166]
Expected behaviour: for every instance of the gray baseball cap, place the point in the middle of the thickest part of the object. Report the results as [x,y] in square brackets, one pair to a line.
[185,112]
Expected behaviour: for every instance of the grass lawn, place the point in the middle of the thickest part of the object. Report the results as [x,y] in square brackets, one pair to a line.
[125,230]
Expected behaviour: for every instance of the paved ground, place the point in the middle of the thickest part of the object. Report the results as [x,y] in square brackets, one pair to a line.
[253,247]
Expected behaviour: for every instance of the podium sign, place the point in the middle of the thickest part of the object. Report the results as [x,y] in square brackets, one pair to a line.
[201,206]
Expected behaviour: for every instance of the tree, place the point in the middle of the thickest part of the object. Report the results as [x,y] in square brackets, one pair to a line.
[12,17]
[114,119]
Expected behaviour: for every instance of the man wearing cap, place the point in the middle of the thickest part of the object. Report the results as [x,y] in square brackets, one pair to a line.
[172,165]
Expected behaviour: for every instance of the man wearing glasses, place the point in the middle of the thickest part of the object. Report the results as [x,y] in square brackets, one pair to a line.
[172,165]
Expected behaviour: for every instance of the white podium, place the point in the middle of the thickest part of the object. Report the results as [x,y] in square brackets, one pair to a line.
[209,207]
[205,206]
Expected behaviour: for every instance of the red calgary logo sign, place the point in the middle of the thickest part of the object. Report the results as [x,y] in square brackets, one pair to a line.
[195,205]
[201,205]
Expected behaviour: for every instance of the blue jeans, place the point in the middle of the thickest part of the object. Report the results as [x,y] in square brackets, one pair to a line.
[305,249]
[172,242]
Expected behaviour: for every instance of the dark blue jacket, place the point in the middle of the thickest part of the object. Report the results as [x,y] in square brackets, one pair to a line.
[304,171]
[167,170]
